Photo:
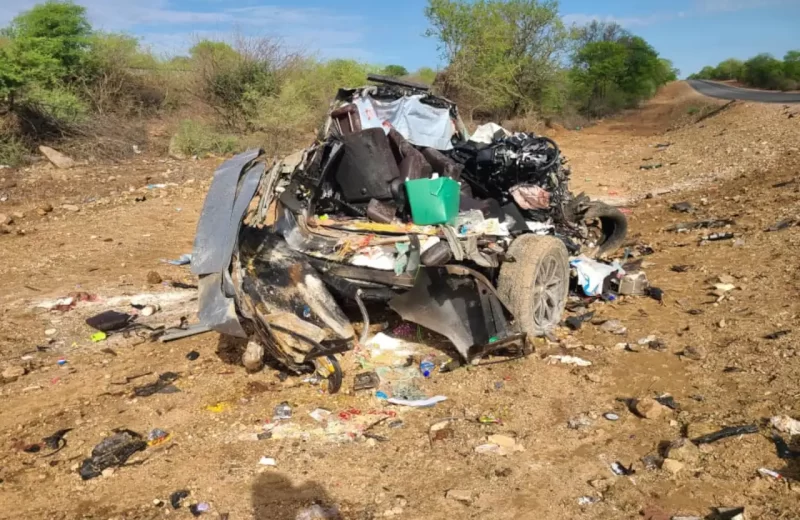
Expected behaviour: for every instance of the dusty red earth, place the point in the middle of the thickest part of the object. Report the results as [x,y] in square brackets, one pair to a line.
[727,167]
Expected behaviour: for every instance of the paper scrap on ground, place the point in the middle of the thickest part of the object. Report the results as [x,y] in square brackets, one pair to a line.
[568,360]
[420,403]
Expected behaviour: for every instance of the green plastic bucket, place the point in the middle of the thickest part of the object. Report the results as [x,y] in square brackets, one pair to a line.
[433,201]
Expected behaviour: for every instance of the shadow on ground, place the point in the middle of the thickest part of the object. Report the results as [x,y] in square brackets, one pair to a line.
[275,498]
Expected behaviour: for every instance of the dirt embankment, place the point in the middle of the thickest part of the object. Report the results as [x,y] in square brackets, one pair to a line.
[740,164]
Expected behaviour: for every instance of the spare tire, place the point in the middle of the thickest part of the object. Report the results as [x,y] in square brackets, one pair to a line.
[613,223]
[534,282]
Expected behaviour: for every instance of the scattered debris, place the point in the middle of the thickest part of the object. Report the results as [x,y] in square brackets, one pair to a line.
[782,448]
[619,469]
[568,360]
[199,509]
[730,431]
[57,441]
[770,473]
[651,166]
[611,416]
[778,334]
[193,355]
[178,497]
[418,403]
[783,224]
[633,284]
[668,401]
[157,436]
[785,424]
[318,512]
[729,513]
[366,381]
[680,268]
[153,278]
[109,321]
[253,357]
[701,224]
[162,385]
[499,445]
[656,294]
[320,414]
[113,451]
[683,207]
[282,412]
[587,500]
[267,461]
[184,259]
[716,237]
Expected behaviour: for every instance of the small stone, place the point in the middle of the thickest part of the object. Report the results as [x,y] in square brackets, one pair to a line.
[602,484]
[372,443]
[18,215]
[50,332]
[253,357]
[648,408]
[5,220]
[673,466]
[503,441]
[579,422]
[70,207]
[594,378]
[614,327]
[695,353]
[153,278]
[698,429]
[44,209]
[460,495]
[503,473]
[13,373]
[726,279]
[739,242]
[683,450]
[58,159]
[157,502]
[722,323]
[108,472]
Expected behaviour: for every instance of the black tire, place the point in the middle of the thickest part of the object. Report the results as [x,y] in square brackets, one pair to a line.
[535,284]
[613,223]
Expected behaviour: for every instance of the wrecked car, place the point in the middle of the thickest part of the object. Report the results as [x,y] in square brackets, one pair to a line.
[396,205]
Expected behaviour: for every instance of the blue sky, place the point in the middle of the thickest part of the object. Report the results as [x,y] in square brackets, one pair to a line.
[692,33]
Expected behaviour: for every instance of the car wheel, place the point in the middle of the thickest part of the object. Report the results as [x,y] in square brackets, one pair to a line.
[535,284]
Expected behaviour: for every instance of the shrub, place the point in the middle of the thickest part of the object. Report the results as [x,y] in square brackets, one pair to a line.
[12,150]
[195,138]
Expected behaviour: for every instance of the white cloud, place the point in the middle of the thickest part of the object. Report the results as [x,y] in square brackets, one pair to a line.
[172,31]
[718,6]
[625,21]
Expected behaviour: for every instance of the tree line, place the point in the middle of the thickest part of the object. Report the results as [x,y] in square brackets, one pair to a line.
[762,71]
[61,78]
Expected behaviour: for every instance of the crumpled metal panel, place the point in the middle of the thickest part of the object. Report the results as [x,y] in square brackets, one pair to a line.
[217,233]
[210,254]
[449,305]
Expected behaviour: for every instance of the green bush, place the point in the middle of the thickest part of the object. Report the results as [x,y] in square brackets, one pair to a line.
[195,138]
[61,106]
[12,151]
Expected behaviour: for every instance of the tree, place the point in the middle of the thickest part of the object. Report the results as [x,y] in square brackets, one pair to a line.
[599,31]
[500,54]
[791,65]
[49,43]
[394,71]
[729,69]
[764,71]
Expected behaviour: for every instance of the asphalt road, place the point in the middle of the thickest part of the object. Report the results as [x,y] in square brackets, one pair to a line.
[723,91]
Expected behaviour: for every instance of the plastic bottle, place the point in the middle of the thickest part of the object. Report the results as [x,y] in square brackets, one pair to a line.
[426,367]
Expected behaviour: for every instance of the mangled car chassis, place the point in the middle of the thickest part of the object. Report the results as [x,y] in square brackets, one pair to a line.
[395,204]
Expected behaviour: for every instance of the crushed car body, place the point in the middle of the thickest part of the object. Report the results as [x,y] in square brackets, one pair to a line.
[394,205]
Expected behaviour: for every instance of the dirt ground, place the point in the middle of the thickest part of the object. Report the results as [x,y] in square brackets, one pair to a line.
[742,163]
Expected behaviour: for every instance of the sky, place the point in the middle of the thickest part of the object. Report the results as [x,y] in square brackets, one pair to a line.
[692,33]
